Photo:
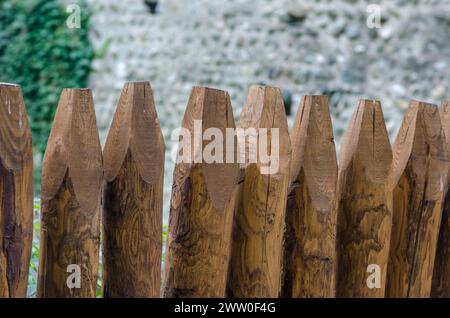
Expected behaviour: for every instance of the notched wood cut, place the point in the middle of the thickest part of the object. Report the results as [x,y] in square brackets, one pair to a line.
[132,211]
[417,182]
[202,202]
[135,128]
[309,251]
[74,148]
[364,220]
[16,192]
[255,267]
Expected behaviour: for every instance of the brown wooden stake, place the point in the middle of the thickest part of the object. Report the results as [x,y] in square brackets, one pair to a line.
[417,181]
[16,192]
[72,177]
[255,266]
[132,212]
[309,260]
[203,198]
[364,220]
[441,275]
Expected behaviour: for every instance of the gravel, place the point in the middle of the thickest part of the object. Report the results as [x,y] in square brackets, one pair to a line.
[303,47]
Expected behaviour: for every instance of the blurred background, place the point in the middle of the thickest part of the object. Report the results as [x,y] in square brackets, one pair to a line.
[392,50]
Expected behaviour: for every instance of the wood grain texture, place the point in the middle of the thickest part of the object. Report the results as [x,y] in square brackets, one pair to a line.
[364,220]
[72,176]
[16,192]
[417,182]
[255,266]
[202,203]
[441,276]
[309,251]
[133,194]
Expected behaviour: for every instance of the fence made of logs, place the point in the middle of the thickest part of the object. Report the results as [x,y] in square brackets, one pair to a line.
[373,222]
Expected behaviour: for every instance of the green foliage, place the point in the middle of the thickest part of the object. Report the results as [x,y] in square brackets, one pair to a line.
[34,261]
[39,52]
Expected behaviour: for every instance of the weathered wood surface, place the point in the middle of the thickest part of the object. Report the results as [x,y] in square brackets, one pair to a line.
[202,204]
[309,260]
[132,211]
[72,177]
[255,266]
[16,192]
[417,181]
[441,275]
[364,220]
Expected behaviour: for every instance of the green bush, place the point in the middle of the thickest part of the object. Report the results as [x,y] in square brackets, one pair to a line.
[43,55]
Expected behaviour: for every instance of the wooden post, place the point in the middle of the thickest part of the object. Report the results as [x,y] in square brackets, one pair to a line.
[309,253]
[417,181]
[255,266]
[441,275]
[72,177]
[16,193]
[364,220]
[132,213]
[202,203]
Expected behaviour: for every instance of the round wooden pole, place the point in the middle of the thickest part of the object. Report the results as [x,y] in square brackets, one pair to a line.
[72,176]
[310,242]
[255,266]
[202,204]
[364,220]
[16,193]
[417,182]
[132,211]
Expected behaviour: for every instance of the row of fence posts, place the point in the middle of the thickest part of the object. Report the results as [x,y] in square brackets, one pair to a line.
[318,227]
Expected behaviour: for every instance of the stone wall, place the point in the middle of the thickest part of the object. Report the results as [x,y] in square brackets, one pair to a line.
[304,47]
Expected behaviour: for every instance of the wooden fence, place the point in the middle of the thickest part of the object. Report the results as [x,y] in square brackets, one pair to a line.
[373,223]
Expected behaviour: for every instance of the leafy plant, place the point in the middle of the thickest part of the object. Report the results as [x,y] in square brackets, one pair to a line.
[34,261]
[42,54]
